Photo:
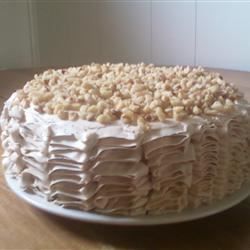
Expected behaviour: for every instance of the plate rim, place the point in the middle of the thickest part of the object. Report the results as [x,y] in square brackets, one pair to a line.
[171,218]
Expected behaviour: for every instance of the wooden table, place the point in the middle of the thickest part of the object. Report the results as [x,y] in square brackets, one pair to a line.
[24,227]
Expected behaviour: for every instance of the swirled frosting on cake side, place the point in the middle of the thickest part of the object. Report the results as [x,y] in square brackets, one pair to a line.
[119,168]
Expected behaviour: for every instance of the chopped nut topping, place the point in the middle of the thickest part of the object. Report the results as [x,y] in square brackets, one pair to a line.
[196,110]
[136,93]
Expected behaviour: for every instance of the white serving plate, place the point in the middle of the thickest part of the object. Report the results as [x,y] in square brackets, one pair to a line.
[187,215]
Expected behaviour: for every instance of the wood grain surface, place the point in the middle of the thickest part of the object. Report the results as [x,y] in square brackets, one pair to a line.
[23,227]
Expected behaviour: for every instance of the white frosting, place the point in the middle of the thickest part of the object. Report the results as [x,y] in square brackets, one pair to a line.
[118,168]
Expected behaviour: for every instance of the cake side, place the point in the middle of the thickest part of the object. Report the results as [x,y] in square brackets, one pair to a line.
[119,169]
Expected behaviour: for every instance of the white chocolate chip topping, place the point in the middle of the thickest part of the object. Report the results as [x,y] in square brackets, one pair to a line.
[136,93]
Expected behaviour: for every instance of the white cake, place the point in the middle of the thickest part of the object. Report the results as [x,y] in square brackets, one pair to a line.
[127,139]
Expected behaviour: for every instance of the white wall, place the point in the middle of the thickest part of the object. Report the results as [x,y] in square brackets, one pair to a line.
[173,32]
[223,35]
[15,40]
[124,31]
[208,33]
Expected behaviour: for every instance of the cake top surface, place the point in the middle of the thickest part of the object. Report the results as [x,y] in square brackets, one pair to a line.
[134,93]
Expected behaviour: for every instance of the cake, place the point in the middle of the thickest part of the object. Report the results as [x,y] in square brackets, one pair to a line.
[127,139]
